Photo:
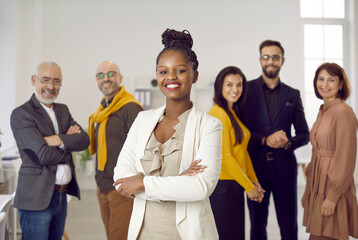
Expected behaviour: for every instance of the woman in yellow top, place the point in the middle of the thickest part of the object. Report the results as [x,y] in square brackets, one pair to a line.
[237,173]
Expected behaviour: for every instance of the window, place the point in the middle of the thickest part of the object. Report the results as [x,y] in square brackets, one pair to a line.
[322,9]
[323,32]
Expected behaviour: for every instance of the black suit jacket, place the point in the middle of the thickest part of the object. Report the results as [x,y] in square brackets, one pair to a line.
[289,112]
[30,123]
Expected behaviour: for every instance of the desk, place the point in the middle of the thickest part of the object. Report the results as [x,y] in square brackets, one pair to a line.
[8,186]
[8,177]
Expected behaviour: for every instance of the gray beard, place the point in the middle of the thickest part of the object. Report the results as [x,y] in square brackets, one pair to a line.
[45,101]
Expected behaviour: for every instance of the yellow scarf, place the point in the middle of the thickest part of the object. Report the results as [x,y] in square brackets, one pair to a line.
[101,116]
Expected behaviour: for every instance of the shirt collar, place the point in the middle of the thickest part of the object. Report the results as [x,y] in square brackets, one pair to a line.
[104,102]
[48,109]
[266,87]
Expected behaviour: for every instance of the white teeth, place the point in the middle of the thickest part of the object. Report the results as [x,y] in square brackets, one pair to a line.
[172,85]
[47,91]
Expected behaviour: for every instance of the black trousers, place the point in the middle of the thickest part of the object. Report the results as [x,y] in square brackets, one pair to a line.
[228,205]
[284,191]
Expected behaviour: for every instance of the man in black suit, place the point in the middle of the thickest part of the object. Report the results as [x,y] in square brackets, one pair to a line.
[46,135]
[272,108]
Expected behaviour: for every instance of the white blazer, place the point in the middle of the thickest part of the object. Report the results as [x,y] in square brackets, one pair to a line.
[202,140]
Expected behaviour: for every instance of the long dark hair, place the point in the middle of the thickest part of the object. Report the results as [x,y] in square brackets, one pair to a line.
[181,41]
[238,105]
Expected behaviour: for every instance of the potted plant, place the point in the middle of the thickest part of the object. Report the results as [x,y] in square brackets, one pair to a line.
[82,159]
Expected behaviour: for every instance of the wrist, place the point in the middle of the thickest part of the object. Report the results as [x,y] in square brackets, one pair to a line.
[288,145]
[264,141]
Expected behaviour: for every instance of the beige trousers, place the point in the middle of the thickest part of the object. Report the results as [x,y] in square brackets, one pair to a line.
[116,212]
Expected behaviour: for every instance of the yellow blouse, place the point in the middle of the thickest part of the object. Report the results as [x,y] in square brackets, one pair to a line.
[236,162]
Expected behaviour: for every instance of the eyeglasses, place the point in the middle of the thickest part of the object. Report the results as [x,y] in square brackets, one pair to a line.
[109,75]
[55,81]
[273,57]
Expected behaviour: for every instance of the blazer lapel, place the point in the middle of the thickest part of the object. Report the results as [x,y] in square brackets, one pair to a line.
[146,131]
[190,140]
[282,96]
[190,146]
[58,118]
[38,108]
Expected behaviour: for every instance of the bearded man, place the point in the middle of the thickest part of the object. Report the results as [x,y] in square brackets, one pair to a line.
[108,128]
[46,135]
[272,108]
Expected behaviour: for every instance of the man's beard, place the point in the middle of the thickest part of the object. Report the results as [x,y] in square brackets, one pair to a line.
[109,92]
[46,101]
[272,74]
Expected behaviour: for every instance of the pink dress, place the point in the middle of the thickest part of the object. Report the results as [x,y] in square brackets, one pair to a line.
[330,173]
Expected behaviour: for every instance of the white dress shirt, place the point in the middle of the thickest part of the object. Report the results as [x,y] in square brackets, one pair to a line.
[63,174]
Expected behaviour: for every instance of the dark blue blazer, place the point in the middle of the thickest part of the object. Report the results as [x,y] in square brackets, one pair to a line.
[289,112]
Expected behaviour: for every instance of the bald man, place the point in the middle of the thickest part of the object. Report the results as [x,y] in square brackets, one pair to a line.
[108,128]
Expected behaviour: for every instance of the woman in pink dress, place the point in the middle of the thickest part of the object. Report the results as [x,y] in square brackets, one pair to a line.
[329,201]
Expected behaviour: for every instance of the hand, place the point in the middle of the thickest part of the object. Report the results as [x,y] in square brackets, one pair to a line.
[130,185]
[194,169]
[53,141]
[255,195]
[261,190]
[258,185]
[277,139]
[73,129]
[328,207]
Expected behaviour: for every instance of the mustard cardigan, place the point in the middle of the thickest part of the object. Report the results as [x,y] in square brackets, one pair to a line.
[236,162]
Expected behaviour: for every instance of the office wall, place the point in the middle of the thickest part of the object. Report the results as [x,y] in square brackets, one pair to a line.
[7,68]
[80,34]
